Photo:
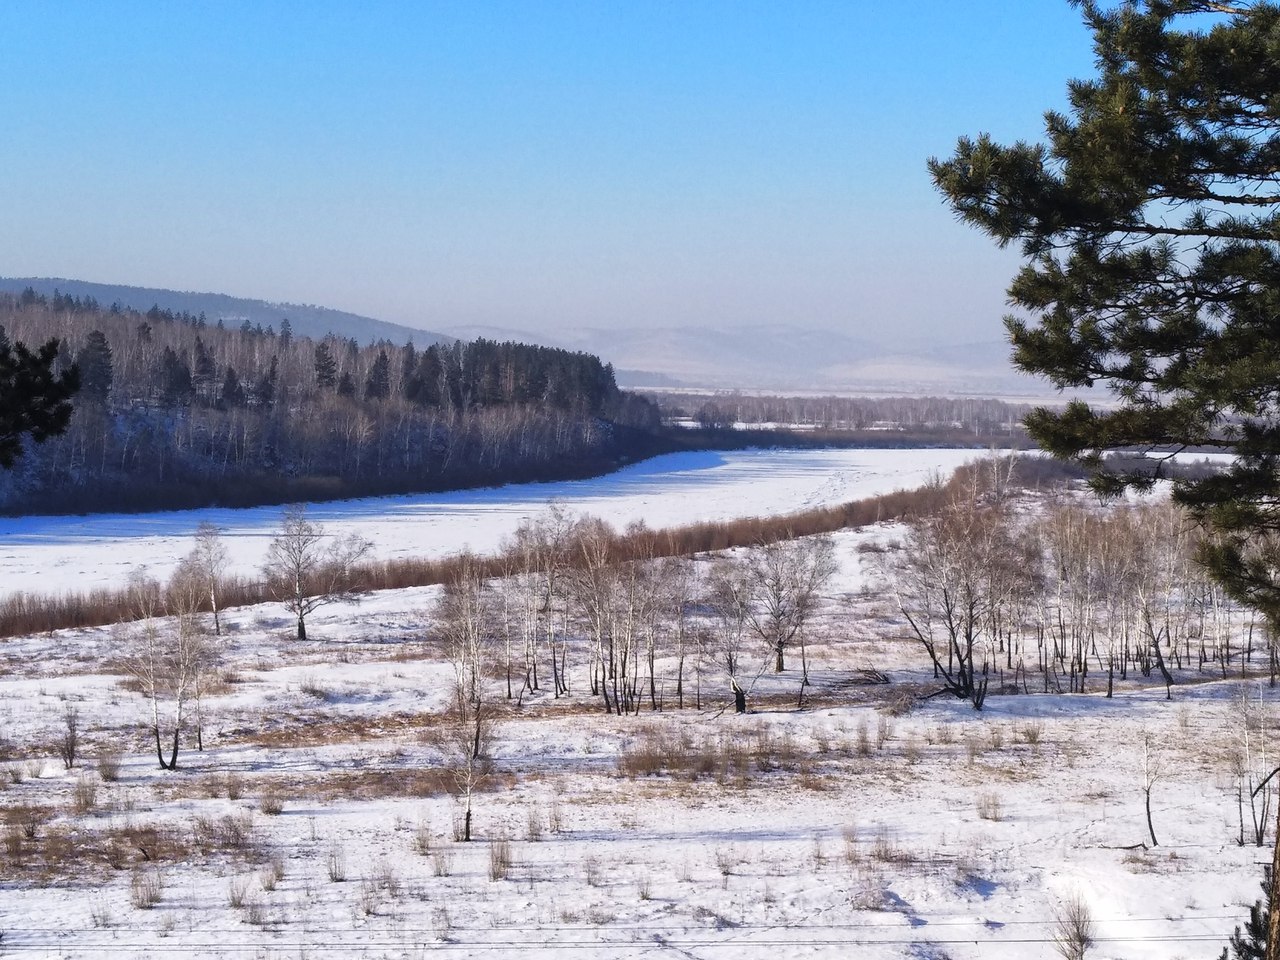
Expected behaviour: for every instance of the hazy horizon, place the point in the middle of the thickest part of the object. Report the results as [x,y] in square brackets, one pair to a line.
[530,167]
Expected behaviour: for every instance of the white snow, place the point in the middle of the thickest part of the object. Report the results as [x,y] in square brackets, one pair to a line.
[830,851]
[45,554]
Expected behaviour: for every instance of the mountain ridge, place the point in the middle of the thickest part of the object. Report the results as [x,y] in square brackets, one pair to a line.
[306,320]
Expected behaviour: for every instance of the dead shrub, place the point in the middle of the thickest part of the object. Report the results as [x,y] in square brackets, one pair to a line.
[367,902]
[442,861]
[68,741]
[84,795]
[422,839]
[1073,930]
[885,849]
[533,824]
[28,818]
[863,740]
[135,843]
[499,858]
[271,803]
[1031,732]
[555,817]
[852,853]
[335,864]
[146,888]
[989,807]
[238,891]
[233,785]
[233,833]
[108,764]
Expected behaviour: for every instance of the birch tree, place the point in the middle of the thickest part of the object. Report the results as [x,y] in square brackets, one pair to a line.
[305,569]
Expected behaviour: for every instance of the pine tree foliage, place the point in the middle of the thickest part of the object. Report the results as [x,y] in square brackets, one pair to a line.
[1251,944]
[34,400]
[1150,226]
[94,360]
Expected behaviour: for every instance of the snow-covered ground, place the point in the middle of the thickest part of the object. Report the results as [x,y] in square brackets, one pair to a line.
[843,828]
[46,554]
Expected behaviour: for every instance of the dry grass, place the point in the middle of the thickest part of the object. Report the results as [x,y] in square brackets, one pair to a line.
[318,730]
[84,794]
[500,858]
[108,764]
[146,888]
[42,852]
[989,806]
[721,757]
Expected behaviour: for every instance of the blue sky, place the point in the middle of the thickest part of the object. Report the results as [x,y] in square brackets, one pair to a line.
[527,164]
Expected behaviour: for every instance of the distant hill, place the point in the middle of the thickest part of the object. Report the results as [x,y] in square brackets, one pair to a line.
[307,320]
[782,358]
[174,411]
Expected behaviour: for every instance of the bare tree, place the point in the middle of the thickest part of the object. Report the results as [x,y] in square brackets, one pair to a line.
[183,598]
[592,583]
[1152,772]
[467,749]
[540,551]
[679,576]
[1251,762]
[728,597]
[208,563]
[306,570]
[942,592]
[68,741]
[785,579]
[466,624]
[465,620]
[164,659]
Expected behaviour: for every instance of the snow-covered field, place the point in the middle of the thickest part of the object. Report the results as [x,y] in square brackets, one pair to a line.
[843,828]
[46,554]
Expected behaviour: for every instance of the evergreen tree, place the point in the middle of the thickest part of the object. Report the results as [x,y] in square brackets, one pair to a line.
[94,361]
[1149,226]
[265,389]
[204,373]
[346,385]
[423,387]
[286,333]
[377,386]
[175,378]
[34,401]
[1252,943]
[232,390]
[325,366]
[408,367]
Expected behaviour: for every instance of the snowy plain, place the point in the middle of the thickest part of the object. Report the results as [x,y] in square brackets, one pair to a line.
[865,832]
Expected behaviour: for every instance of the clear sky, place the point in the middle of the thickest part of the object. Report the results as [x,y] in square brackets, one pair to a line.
[528,164]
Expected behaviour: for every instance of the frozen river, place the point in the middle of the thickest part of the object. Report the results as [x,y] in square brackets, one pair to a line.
[51,554]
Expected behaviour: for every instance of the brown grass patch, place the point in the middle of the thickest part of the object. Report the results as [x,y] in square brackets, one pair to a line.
[73,853]
[316,730]
[723,757]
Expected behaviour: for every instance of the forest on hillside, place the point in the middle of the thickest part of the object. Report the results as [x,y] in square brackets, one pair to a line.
[175,411]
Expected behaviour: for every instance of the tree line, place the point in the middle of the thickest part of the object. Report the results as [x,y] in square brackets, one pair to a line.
[175,410]
[964,418]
